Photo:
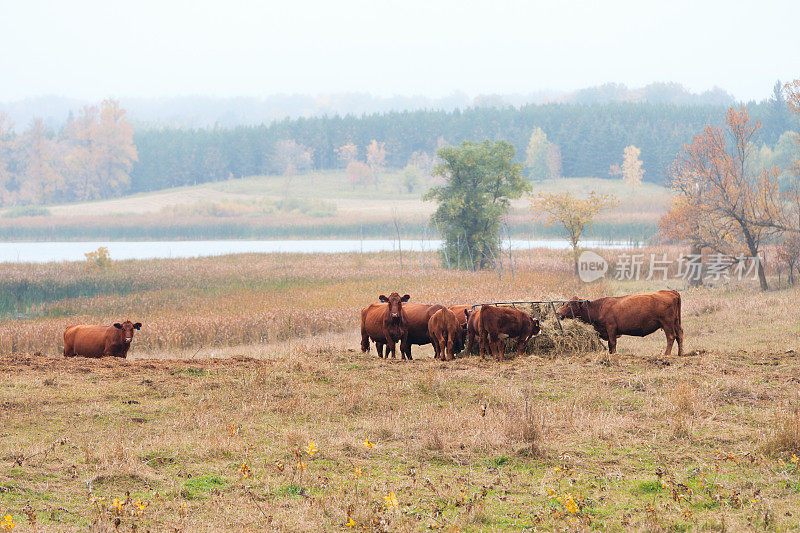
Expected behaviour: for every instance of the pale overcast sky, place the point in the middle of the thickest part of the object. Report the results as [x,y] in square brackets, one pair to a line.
[93,49]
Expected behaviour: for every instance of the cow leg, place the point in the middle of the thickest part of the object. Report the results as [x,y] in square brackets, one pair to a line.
[365,342]
[379,347]
[435,344]
[679,336]
[405,349]
[522,344]
[390,345]
[670,339]
[449,354]
[497,349]
[612,340]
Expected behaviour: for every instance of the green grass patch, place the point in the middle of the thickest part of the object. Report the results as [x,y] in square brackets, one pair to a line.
[198,488]
[291,490]
[647,487]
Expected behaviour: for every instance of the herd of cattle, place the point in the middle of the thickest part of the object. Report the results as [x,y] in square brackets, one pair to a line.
[394,321]
[446,328]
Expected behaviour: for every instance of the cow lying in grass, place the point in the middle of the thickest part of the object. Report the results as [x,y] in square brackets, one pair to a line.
[97,341]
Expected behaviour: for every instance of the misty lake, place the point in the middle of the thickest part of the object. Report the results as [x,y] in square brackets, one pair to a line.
[43,252]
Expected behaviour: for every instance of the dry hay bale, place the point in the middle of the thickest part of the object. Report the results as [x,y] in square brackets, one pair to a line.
[577,336]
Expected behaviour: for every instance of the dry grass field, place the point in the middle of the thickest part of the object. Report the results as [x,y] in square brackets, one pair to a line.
[245,404]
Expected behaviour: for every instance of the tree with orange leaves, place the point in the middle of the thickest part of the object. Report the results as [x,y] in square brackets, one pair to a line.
[722,201]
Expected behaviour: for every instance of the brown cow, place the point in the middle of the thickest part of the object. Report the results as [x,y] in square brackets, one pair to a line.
[417,317]
[498,323]
[446,334]
[637,315]
[385,323]
[468,318]
[97,341]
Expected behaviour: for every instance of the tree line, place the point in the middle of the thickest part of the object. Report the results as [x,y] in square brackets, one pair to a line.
[589,139]
[98,155]
[90,158]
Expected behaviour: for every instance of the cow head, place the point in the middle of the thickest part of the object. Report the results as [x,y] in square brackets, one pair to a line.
[467,312]
[395,304]
[127,328]
[575,308]
[536,328]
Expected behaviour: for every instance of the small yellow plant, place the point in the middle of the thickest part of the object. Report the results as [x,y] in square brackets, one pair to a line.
[8,523]
[391,501]
[99,259]
[350,522]
[369,445]
[245,471]
[356,473]
[569,503]
[312,448]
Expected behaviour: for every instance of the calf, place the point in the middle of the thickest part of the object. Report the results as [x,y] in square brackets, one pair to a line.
[446,334]
[637,315]
[495,324]
[97,341]
[385,323]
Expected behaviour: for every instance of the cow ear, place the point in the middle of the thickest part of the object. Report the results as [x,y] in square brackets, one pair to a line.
[383,298]
[138,325]
[405,298]
[118,325]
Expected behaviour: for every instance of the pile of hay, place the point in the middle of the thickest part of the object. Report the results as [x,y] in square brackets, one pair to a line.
[576,338]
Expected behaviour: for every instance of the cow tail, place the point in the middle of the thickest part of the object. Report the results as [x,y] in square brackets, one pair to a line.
[364,336]
[678,320]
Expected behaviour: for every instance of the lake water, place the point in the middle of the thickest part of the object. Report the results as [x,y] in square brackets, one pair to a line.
[43,252]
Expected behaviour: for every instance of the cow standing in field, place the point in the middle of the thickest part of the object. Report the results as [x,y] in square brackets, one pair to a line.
[446,334]
[385,323]
[637,315]
[97,341]
[495,324]
[417,317]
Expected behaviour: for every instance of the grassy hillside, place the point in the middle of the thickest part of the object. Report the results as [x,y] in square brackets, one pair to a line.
[319,204]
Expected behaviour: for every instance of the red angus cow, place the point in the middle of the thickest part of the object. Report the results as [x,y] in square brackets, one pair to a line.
[637,315]
[445,333]
[417,318]
[97,341]
[385,323]
[498,323]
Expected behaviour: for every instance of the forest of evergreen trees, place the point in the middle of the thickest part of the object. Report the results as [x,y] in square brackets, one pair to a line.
[97,154]
[591,138]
